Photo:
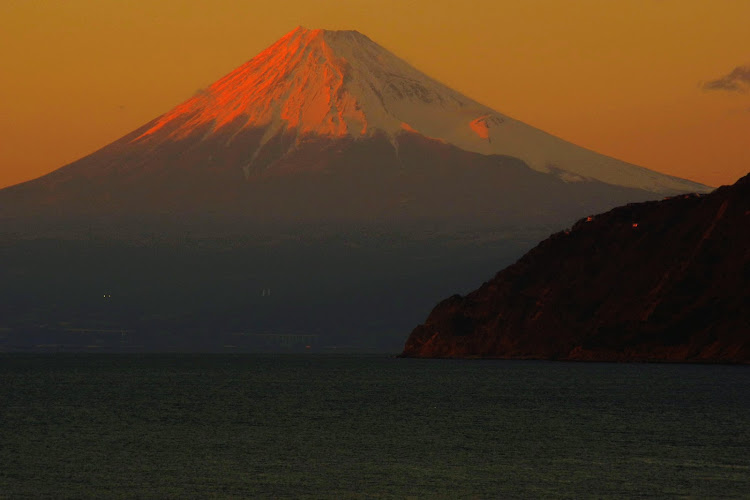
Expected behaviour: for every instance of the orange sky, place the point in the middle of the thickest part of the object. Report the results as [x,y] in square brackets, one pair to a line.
[623,78]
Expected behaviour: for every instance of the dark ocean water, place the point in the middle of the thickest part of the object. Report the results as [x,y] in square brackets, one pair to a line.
[311,426]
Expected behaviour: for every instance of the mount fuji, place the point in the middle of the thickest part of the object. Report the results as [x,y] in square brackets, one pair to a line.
[329,125]
[326,169]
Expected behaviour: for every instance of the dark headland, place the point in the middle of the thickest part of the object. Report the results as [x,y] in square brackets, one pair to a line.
[656,281]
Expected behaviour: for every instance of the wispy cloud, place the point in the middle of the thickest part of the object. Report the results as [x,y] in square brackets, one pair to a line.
[737,80]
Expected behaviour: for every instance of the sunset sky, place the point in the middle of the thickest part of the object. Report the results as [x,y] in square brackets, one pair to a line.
[664,84]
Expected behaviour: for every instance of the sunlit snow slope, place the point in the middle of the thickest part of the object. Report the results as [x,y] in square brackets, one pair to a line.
[340,83]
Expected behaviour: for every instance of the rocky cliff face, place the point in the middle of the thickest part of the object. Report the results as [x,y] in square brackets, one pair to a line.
[655,281]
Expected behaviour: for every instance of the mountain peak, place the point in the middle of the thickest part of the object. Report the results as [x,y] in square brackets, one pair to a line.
[328,83]
[296,83]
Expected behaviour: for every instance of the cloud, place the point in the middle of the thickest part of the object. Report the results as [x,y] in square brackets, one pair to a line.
[738,80]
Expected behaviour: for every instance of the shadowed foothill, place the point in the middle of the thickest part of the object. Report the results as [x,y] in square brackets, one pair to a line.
[658,281]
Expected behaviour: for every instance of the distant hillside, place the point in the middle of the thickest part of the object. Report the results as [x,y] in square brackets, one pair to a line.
[654,281]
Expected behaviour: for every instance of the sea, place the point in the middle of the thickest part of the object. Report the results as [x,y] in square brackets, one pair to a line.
[368,426]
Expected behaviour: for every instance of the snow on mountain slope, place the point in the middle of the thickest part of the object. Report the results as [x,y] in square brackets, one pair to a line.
[339,83]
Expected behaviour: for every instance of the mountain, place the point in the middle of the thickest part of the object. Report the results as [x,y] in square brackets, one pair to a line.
[666,280]
[377,138]
[325,169]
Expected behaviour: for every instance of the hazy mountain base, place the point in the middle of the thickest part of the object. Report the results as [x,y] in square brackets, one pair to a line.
[412,182]
[186,251]
[324,287]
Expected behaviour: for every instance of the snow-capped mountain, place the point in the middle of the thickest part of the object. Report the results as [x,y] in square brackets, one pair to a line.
[328,124]
[341,83]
